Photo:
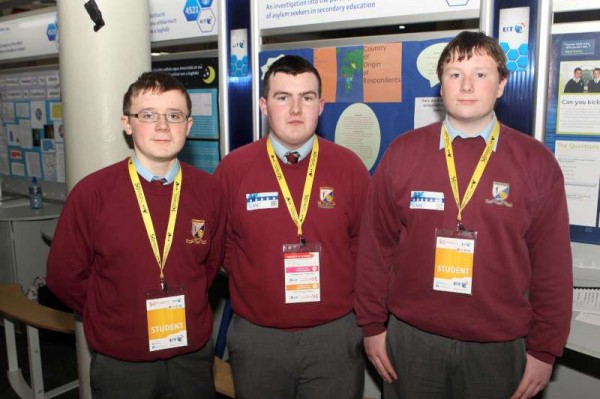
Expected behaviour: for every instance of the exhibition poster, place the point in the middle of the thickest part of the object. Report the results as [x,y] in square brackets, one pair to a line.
[200,77]
[373,92]
[573,127]
[32,135]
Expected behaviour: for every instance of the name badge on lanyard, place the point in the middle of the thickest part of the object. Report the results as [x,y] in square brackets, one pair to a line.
[166,320]
[455,249]
[302,270]
[454,254]
[302,267]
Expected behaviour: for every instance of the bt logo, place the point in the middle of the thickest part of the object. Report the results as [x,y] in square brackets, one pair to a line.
[518,28]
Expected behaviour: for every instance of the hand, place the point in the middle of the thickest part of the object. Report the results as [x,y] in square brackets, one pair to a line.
[377,354]
[535,378]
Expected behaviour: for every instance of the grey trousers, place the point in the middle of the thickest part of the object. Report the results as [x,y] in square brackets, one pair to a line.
[188,376]
[431,366]
[323,362]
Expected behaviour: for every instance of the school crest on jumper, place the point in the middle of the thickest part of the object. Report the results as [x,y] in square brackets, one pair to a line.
[198,230]
[326,197]
[500,192]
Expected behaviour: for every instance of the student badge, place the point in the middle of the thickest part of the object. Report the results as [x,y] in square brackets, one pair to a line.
[166,321]
[302,271]
[453,266]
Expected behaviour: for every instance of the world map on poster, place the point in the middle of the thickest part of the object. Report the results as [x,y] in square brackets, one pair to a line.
[350,74]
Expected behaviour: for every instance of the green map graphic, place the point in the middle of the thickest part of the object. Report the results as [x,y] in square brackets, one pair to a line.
[350,74]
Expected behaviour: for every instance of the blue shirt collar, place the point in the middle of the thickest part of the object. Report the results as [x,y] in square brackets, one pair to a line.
[281,150]
[485,134]
[148,176]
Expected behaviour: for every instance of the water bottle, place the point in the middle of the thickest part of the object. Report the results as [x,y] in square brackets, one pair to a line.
[35,194]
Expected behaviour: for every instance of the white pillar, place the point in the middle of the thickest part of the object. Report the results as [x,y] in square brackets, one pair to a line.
[95,70]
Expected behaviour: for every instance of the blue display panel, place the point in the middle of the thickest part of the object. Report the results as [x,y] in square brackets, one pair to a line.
[573,127]
[202,154]
[375,92]
[200,76]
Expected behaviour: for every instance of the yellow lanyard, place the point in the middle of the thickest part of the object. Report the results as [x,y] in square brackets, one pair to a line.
[145,211]
[485,157]
[298,219]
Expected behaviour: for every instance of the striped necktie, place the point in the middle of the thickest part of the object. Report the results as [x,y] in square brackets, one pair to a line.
[292,157]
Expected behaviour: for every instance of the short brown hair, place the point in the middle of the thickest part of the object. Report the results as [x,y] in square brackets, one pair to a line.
[157,82]
[466,44]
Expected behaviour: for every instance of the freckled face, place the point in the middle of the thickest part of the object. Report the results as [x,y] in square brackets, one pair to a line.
[292,107]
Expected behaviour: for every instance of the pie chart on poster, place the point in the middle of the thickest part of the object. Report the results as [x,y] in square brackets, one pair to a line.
[358,129]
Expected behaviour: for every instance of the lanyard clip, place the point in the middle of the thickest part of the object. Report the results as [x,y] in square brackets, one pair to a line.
[163,285]
[302,240]
[459,226]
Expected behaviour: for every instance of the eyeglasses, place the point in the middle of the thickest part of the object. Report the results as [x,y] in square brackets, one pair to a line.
[153,117]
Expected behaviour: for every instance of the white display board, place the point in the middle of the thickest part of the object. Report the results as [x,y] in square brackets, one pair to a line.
[574,5]
[29,36]
[182,19]
[289,13]
[36,35]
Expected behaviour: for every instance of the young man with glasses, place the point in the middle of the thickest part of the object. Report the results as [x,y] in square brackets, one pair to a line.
[137,246]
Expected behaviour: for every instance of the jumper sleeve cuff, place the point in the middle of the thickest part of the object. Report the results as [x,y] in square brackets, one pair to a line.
[373,329]
[543,356]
